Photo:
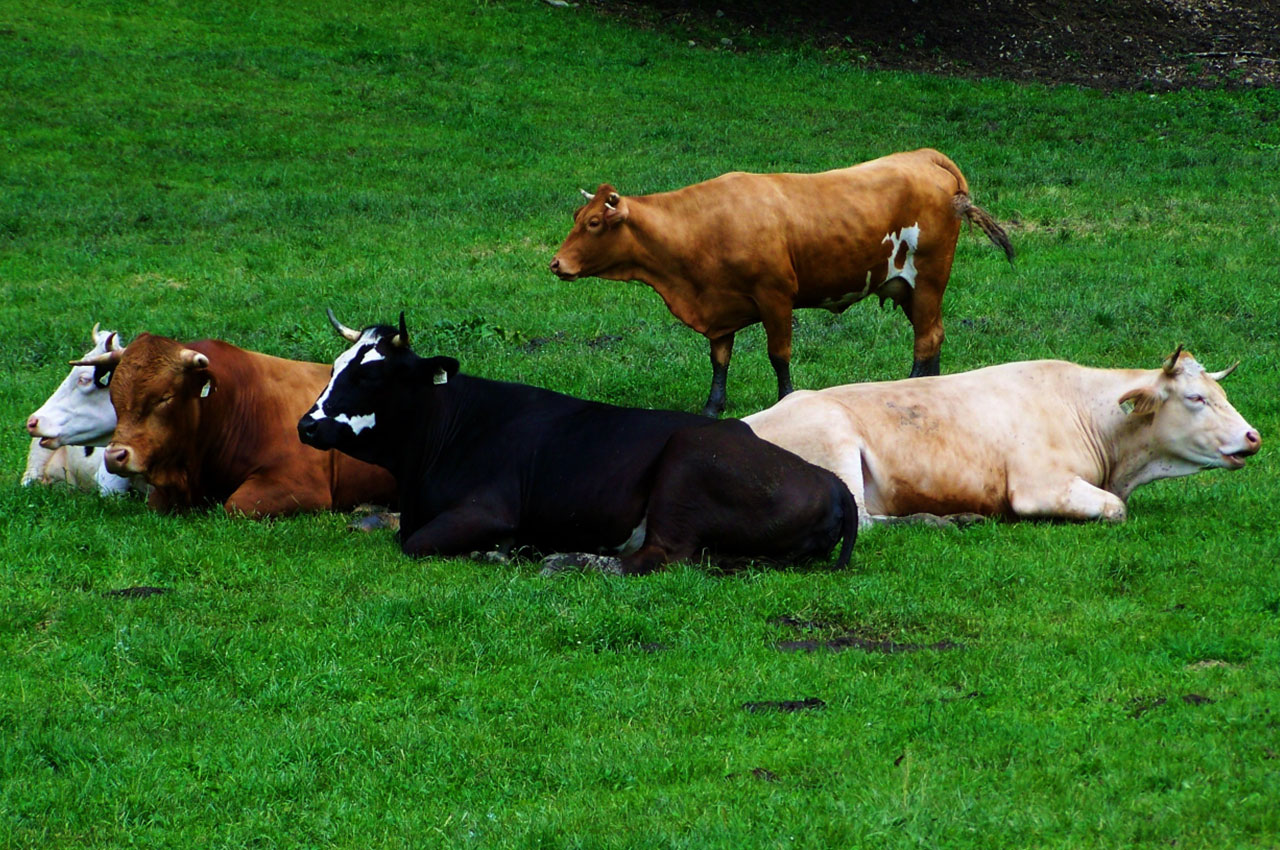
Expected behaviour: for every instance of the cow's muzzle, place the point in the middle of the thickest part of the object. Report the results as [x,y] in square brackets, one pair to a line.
[308,429]
[1252,442]
[558,269]
[119,460]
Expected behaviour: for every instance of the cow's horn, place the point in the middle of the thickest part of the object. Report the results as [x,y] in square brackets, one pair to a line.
[347,333]
[107,358]
[586,194]
[1218,376]
[1171,364]
[401,339]
[93,335]
[192,359]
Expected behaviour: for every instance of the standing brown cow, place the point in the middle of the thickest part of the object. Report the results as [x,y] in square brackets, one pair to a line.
[746,248]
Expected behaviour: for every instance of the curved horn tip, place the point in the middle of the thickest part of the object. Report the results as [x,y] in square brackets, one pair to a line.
[104,359]
[586,194]
[193,359]
[347,333]
[1218,376]
[93,334]
[1171,362]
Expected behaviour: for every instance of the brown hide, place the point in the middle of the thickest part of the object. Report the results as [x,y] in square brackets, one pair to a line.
[745,248]
[237,444]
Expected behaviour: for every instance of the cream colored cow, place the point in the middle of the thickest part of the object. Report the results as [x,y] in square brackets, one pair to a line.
[1039,438]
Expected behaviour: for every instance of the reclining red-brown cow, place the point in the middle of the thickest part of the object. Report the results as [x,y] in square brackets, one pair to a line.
[207,422]
[746,248]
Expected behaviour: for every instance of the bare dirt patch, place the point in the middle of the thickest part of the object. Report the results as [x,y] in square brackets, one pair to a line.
[1116,44]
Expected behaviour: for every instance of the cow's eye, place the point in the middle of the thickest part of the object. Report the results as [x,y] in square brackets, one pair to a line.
[593,222]
[1195,398]
[84,380]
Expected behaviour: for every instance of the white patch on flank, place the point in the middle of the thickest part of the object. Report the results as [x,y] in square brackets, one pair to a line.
[634,541]
[357,423]
[906,271]
[344,360]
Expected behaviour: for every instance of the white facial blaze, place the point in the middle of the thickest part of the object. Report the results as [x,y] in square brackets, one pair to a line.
[907,270]
[364,345]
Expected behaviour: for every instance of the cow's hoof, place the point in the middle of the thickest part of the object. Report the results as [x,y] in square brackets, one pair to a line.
[965,520]
[712,411]
[581,562]
[375,522]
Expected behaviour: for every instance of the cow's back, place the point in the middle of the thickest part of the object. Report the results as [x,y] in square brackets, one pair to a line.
[827,230]
[940,444]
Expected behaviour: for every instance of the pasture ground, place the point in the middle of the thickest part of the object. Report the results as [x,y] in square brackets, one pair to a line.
[230,170]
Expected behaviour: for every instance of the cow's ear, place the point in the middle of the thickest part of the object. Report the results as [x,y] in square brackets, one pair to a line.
[441,369]
[1144,400]
[615,209]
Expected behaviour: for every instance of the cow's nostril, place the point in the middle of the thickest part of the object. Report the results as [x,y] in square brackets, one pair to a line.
[1253,438]
[33,425]
[306,427]
[555,264]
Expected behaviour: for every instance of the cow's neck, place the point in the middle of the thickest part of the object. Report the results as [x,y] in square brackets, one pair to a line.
[230,420]
[1125,442]
[660,255]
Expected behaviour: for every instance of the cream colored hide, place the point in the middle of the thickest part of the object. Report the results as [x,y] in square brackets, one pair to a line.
[80,467]
[1031,439]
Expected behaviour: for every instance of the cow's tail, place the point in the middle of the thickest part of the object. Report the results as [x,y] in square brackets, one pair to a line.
[974,214]
[969,211]
[849,526]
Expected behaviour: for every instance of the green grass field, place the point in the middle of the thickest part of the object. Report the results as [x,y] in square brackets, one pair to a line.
[232,169]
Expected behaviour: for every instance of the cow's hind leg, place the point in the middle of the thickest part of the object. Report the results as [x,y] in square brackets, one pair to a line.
[721,351]
[924,310]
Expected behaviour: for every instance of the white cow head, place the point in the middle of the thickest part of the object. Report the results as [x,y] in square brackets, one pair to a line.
[1193,426]
[79,413]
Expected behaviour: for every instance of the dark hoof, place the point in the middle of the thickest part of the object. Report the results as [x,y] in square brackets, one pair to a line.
[581,562]
[712,411]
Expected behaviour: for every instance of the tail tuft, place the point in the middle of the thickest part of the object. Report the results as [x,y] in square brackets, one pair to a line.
[849,531]
[974,214]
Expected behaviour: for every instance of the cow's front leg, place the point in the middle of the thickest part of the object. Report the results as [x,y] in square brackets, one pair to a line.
[776,318]
[265,497]
[459,532]
[721,351]
[37,459]
[1078,500]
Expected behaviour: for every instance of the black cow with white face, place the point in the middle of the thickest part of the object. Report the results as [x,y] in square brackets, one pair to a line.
[482,464]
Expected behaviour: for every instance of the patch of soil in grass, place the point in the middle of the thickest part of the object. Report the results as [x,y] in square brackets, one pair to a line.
[846,635]
[888,647]
[1116,44]
[807,704]
[139,592]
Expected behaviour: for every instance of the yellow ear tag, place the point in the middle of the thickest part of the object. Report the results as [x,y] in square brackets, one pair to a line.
[204,391]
